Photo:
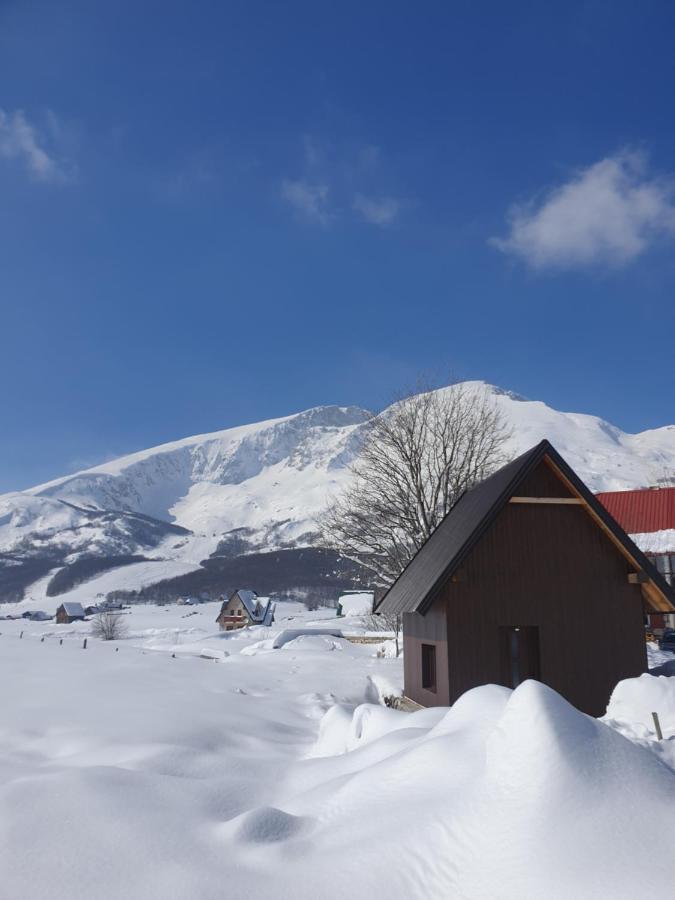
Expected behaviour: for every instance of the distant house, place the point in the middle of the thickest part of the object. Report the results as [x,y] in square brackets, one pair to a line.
[528,576]
[189,601]
[356,603]
[91,610]
[69,612]
[245,607]
[111,606]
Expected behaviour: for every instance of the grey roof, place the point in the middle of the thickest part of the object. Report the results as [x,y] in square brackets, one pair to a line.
[73,609]
[249,599]
[469,519]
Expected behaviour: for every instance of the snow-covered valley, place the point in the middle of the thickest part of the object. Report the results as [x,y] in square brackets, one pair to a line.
[184,762]
[258,488]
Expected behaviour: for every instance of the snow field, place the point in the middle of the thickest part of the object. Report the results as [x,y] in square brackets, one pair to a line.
[143,769]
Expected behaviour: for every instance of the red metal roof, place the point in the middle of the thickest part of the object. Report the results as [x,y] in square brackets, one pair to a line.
[641,511]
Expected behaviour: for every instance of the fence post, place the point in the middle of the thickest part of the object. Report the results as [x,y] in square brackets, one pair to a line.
[657,726]
[21,635]
[84,645]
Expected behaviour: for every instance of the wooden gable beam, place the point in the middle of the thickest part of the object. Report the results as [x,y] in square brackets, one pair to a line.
[555,500]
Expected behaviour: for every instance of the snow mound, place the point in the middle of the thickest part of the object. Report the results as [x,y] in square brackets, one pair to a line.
[313,642]
[509,795]
[289,635]
[634,700]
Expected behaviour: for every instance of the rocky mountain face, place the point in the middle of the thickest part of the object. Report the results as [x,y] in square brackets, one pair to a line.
[244,501]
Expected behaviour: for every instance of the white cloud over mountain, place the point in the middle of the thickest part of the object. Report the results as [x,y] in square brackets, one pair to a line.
[606,214]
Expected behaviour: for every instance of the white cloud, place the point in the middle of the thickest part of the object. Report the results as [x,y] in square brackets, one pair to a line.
[607,214]
[335,183]
[378,211]
[19,140]
[310,199]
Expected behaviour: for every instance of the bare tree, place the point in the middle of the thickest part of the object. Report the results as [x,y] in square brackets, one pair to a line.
[109,626]
[388,622]
[418,457]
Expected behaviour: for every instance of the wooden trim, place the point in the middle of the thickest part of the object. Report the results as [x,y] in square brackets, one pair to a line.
[638,578]
[572,501]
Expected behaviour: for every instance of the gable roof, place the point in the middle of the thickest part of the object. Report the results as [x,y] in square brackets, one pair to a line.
[642,511]
[73,609]
[248,599]
[474,512]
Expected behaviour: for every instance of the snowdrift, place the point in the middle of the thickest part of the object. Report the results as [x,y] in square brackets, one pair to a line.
[505,795]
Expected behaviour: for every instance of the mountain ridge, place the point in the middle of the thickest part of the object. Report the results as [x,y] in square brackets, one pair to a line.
[258,488]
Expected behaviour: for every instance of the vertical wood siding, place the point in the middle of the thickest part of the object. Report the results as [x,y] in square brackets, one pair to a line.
[544,565]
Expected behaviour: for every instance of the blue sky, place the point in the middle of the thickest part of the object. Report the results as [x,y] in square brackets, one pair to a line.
[218,212]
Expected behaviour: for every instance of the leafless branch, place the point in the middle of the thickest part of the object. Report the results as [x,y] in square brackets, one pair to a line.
[417,459]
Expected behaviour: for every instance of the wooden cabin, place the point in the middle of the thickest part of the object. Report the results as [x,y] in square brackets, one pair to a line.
[245,607]
[69,612]
[528,576]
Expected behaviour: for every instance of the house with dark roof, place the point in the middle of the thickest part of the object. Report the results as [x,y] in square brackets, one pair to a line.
[69,612]
[245,607]
[528,576]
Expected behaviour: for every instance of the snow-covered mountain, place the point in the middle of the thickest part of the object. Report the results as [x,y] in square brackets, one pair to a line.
[158,513]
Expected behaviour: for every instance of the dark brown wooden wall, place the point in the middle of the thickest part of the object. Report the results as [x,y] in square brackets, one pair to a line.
[544,565]
[429,629]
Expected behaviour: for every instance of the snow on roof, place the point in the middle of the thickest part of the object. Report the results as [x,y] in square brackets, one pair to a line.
[248,598]
[73,609]
[357,604]
[656,541]
[260,609]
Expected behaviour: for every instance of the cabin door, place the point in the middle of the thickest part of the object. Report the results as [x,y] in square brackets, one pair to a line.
[519,654]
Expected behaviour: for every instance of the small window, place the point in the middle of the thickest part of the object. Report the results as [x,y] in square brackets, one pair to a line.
[429,667]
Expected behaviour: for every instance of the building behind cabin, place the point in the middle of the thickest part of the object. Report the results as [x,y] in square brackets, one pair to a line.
[356,603]
[648,515]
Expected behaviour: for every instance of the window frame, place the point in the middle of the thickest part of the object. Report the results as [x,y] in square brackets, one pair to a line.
[429,668]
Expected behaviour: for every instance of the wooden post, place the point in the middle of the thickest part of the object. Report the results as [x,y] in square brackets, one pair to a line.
[60,642]
[657,726]
[42,639]
[21,635]
[84,645]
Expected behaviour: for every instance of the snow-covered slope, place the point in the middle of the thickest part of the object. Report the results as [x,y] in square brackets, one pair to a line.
[260,486]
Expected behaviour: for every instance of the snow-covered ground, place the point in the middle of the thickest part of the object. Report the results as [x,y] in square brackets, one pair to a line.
[183,762]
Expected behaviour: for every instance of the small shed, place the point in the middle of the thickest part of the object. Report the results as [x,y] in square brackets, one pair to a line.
[245,607]
[69,612]
[356,603]
[528,576]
